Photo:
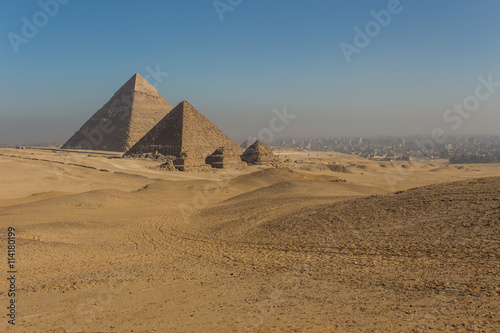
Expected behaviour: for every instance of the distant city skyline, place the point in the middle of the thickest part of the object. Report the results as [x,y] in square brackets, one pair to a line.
[340,68]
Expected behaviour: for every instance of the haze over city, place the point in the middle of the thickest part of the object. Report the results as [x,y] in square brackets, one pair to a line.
[239,62]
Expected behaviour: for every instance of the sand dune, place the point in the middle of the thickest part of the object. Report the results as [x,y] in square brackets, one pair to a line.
[304,189]
[33,198]
[259,250]
[446,214]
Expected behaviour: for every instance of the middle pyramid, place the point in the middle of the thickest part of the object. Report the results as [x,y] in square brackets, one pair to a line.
[187,135]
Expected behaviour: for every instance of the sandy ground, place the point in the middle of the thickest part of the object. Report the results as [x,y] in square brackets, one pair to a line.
[106,244]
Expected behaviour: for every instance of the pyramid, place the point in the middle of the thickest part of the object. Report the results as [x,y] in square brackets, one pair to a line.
[186,134]
[245,144]
[259,154]
[133,110]
[224,157]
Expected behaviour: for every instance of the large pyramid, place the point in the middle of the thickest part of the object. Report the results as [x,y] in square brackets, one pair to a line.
[133,110]
[186,134]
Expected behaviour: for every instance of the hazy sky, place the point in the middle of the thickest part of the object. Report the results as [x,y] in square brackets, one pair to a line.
[240,61]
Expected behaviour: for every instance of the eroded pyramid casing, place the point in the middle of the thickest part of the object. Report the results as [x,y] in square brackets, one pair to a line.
[133,110]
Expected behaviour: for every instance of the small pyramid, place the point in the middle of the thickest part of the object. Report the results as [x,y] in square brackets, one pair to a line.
[245,144]
[186,134]
[259,154]
[224,157]
[132,111]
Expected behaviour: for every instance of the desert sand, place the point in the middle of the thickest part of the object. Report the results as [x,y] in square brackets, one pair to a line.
[326,243]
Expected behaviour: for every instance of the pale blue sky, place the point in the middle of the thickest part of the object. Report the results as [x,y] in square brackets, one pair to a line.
[263,55]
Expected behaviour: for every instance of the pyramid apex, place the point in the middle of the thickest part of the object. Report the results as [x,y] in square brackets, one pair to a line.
[184,105]
[258,145]
[140,84]
[135,77]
